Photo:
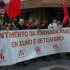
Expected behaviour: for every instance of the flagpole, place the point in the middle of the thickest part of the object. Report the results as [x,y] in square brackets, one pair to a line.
[2,19]
[2,16]
[2,11]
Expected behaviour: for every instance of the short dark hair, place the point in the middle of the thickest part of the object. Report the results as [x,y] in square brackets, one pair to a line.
[54,19]
[45,22]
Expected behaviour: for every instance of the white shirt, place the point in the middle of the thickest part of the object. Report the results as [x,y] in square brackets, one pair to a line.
[50,26]
[55,26]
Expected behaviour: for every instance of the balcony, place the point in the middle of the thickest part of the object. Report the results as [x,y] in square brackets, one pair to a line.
[42,3]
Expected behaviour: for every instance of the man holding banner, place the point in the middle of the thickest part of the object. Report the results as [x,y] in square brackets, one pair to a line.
[21,26]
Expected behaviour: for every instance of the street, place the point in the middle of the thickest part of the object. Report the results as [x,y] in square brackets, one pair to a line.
[51,63]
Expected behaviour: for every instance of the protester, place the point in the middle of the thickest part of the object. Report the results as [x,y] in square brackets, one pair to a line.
[59,24]
[50,26]
[5,24]
[35,25]
[68,24]
[12,25]
[2,27]
[44,25]
[67,53]
[21,26]
[29,24]
[53,25]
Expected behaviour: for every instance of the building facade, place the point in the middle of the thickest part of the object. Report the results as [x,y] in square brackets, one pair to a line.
[42,9]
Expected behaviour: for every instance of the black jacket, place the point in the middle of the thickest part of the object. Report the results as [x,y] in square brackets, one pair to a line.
[19,27]
[43,27]
[34,27]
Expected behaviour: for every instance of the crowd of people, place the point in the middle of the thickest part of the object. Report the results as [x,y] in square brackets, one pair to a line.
[30,25]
